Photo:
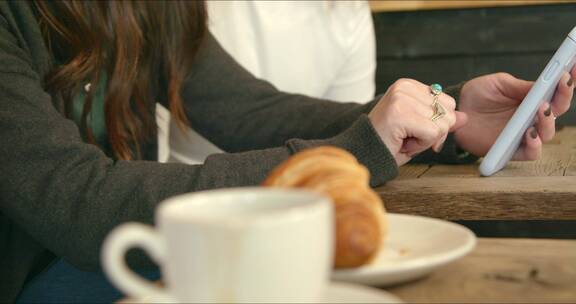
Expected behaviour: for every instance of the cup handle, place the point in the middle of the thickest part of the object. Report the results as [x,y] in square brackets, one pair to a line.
[115,247]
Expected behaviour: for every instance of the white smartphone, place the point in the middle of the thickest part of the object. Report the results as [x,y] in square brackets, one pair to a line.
[543,90]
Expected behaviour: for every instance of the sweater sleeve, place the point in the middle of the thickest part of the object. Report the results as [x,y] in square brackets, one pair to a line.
[68,195]
[237,112]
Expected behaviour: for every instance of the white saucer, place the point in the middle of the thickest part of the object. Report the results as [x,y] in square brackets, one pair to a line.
[352,293]
[414,247]
[335,293]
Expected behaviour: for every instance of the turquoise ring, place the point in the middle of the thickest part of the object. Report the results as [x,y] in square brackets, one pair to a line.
[436,89]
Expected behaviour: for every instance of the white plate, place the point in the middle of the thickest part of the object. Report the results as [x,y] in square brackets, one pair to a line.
[351,293]
[414,247]
[335,293]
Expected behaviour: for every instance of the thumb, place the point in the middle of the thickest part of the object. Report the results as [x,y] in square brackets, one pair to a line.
[461,120]
[513,87]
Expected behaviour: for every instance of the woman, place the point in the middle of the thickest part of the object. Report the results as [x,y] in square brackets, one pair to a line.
[78,81]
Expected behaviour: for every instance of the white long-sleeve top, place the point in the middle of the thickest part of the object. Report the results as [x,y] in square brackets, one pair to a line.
[318,48]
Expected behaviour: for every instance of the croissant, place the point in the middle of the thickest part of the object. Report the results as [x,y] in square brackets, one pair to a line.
[359,212]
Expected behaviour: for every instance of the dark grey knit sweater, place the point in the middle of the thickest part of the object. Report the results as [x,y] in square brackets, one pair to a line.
[59,197]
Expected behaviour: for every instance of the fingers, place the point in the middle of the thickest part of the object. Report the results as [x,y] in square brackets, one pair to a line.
[422,134]
[411,147]
[546,125]
[461,120]
[423,91]
[421,94]
[447,122]
[424,106]
[402,158]
[403,121]
[437,147]
[444,123]
[563,95]
[531,147]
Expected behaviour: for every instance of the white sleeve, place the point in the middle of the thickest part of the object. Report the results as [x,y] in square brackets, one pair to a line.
[356,79]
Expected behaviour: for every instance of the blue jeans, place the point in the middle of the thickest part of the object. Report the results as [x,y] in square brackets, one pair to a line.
[62,282]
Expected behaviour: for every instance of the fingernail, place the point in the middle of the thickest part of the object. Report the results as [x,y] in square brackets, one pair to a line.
[533,134]
[570,82]
[549,111]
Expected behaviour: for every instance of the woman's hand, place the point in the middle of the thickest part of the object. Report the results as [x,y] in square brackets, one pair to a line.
[402,119]
[491,100]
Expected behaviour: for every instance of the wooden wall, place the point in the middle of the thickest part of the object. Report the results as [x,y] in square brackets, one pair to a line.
[418,5]
[448,46]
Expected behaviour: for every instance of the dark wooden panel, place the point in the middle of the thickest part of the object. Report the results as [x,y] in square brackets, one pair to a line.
[455,69]
[473,31]
[431,70]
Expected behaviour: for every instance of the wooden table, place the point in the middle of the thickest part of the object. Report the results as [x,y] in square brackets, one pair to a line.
[540,190]
[412,5]
[502,271]
[499,271]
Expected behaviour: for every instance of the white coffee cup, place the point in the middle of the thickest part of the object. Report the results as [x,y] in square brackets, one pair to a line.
[230,245]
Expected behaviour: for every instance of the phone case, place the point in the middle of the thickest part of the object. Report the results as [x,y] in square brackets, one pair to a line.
[543,90]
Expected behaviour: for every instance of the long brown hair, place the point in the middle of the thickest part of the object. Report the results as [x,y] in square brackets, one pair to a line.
[139,45]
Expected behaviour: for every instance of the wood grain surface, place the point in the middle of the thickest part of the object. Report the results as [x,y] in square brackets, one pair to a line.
[540,190]
[496,271]
[412,5]
[502,271]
